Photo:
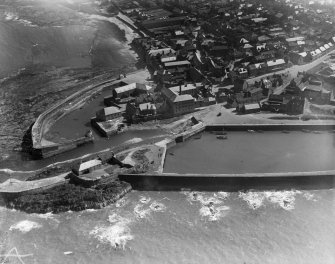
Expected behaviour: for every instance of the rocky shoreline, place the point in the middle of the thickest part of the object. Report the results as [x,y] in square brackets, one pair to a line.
[70,197]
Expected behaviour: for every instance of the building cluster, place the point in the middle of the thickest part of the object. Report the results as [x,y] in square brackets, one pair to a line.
[293,97]
[133,102]
[195,49]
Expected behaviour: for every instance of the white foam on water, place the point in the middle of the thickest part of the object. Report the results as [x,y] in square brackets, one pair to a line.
[130,34]
[222,195]
[134,140]
[285,199]
[145,200]
[113,218]
[48,216]
[122,202]
[201,197]
[91,210]
[209,200]
[25,226]
[192,196]
[310,196]
[140,212]
[254,199]
[210,208]
[117,234]
[213,213]
[157,207]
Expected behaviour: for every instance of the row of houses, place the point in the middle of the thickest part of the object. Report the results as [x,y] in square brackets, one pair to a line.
[295,94]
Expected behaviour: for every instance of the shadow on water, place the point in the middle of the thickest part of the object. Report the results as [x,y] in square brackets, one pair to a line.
[229,184]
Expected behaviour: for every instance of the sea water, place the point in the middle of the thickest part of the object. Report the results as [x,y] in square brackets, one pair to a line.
[288,226]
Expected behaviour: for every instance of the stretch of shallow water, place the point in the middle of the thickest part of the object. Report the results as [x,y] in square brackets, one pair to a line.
[182,227]
[245,152]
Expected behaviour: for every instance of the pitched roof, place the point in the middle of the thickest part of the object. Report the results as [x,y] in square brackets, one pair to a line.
[186,87]
[275,62]
[154,52]
[174,97]
[146,106]
[184,97]
[247,46]
[126,88]
[111,110]
[89,164]
[176,63]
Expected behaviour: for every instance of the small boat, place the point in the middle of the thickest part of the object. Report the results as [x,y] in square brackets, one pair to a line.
[305,130]
[171,154]
[251,131]
[317,132]
[285,132]
[222,137]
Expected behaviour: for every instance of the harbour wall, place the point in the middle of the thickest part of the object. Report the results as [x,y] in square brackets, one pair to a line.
[55,149]
[174,181]
[47,118]
[230,182]
[270,127]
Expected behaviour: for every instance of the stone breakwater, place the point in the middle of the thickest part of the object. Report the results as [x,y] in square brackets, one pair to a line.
[42,148]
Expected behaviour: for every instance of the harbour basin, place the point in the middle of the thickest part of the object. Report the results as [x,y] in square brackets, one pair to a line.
[253,152]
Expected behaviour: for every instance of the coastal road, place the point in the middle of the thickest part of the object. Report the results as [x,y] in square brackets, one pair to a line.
[295,69]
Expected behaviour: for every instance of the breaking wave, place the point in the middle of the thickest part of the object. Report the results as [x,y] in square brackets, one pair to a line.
[122,202]
[117,234]
[211,207]
[140,212]
[145,200]
[157,207]
[143,209]
[254,199]
[25,226]
[285,199]
[214,213]
[310,197]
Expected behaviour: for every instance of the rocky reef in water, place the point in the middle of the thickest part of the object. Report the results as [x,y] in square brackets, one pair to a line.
[71,197]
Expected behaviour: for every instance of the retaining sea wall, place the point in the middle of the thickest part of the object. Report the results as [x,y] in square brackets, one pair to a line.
[270,127]
[230,182]
[175,181]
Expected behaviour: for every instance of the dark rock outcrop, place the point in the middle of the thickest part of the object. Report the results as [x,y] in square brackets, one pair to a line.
[71,197]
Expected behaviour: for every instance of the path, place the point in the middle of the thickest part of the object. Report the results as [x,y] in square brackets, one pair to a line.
[17,186]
